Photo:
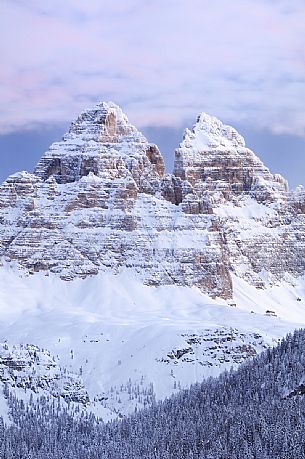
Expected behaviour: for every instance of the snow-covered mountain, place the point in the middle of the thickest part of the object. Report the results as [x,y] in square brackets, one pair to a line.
[139,282]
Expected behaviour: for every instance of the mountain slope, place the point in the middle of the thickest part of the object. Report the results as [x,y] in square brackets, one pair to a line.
[257,411]
[99,201]
[138,282]
[114,334]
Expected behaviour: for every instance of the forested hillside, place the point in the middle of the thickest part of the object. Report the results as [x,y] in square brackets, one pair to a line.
[257,411]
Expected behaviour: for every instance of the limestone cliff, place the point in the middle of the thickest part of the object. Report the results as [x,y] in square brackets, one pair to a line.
[99,200]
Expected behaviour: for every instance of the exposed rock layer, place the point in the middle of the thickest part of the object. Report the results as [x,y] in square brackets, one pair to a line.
[100,200]
[29,367]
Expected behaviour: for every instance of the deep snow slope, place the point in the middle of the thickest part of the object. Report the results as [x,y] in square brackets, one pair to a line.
[113,344]
[132,283]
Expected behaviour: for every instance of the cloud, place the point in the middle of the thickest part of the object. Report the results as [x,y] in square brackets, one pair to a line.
[163,62]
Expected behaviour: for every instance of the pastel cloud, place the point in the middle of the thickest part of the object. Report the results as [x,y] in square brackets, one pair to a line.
[162,61]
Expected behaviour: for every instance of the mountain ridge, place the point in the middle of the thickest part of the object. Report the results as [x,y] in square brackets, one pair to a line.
[102,191]
[140,282]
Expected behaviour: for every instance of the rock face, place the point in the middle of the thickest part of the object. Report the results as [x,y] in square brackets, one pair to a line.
[102,142]
[213,157]
[29,367]
[216,347]
[99,200]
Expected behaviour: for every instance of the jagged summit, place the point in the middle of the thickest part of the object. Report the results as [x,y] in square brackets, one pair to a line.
[102,141]
[211,157]
[99,207]
[105,123]
[209,133]
[99,201]
[214,157]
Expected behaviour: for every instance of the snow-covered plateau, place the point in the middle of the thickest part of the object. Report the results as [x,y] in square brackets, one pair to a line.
[120,284]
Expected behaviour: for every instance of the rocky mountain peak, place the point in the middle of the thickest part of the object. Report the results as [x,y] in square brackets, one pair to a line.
[213,157]
[209,133]
[99,207]
[99,201]
[101,141]
[104,123]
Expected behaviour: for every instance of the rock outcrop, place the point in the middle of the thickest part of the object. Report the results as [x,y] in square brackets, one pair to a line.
[213,158]
[29,367]
[102,142]
[100,200]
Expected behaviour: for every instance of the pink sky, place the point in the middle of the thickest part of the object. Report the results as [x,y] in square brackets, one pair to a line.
[162,61]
